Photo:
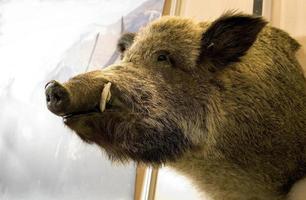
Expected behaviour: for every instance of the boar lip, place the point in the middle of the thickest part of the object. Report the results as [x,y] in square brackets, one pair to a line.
[114,104]
[109,107]
[94,110]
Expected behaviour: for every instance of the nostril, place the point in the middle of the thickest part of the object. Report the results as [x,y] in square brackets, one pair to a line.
[57,97]
[48,99]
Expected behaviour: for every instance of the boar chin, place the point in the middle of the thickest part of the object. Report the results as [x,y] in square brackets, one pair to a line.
[152,141]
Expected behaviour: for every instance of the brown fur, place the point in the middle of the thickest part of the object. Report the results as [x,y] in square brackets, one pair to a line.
[223,103]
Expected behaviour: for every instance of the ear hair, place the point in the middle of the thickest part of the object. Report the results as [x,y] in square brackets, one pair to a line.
[125,41]
[229,37]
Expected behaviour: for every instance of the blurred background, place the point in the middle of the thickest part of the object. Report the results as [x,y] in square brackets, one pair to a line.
[42,40]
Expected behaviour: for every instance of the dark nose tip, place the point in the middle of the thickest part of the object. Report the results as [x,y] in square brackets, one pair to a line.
[57,97]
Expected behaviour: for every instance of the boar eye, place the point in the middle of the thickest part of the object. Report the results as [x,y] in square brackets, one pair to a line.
[163,56]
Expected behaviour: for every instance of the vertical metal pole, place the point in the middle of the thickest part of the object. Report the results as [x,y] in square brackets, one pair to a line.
[175,7]
[153,182]
[92,52]
[257,7]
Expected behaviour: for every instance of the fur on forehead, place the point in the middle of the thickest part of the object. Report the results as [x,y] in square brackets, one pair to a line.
[180,36]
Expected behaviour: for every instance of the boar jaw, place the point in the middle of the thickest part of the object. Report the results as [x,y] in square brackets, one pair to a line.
[107,103]
[105,98]
[74,114]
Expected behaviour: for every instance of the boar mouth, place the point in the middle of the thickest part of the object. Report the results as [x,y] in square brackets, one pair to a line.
[75,114]
[108,103]
[109,107]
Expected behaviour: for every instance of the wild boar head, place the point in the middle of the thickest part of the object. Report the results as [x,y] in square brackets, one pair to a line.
[152,106]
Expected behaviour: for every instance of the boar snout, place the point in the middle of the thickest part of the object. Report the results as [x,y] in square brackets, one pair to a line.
[57,97]
[67,99]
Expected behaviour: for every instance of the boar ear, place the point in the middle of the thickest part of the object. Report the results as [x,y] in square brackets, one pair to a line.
[125,41]
[229,37]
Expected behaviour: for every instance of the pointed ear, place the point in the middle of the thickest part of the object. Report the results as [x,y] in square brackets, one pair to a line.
[229,37]
[125,41]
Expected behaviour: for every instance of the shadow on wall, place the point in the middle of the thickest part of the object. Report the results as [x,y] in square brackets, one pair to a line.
[301,54]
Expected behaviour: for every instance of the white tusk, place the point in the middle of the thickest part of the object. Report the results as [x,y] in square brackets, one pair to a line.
[105,96]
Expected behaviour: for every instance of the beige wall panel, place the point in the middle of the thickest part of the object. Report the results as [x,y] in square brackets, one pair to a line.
[211,9]
[290,15]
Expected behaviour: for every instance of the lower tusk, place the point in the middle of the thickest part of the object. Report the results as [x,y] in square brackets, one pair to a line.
[105,96]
